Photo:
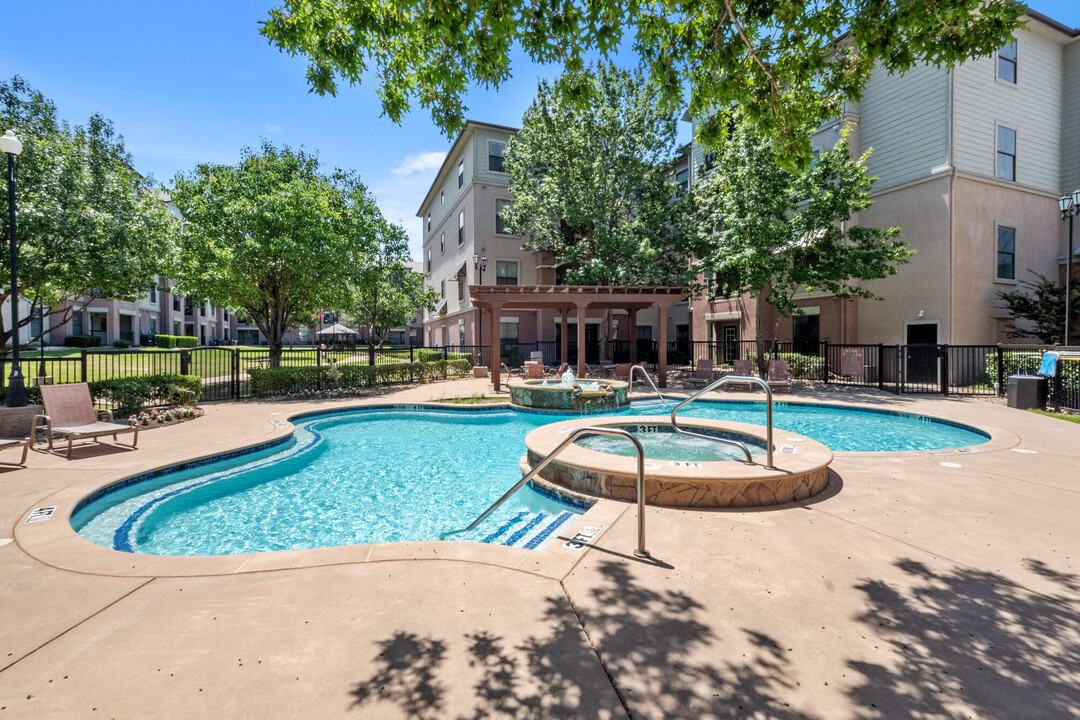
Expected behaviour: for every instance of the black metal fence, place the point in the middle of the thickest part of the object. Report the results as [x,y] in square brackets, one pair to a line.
[902,369]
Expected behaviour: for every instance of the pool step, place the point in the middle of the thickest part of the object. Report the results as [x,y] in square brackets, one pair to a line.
[528,530]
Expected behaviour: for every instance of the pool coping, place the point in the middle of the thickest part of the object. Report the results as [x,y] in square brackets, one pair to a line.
[56,544]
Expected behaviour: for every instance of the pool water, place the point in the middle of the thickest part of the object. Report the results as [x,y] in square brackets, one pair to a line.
[389,475]
[672,446]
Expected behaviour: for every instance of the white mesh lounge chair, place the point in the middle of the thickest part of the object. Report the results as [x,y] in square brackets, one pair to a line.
[70,412]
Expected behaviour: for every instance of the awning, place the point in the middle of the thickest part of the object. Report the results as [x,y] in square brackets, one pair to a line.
[336,329]
[440,307]
[458,269]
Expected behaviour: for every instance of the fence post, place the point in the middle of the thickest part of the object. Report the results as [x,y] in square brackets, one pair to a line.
[899,370]
[185,362]
[235,380]
[880,366]
[1000,371]
[826,364]
[1058,389]
[82,365]
[318,355]
[412,358]
[945,370]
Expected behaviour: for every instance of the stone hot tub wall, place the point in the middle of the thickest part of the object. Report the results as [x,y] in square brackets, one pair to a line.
[799,474]
[532,394]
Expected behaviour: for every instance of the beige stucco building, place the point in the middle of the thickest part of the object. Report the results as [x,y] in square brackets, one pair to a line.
[970,163]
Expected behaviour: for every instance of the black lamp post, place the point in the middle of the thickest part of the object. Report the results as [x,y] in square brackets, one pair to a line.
[1070,208]
[16,392]
[480,263]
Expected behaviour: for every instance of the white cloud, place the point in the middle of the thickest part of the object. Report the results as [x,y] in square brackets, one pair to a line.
[272,128]
[419,162]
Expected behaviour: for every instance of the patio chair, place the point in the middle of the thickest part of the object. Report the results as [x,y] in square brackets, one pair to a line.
[69,411]
[745,368]
[622,370]
[24,443]
[607,368]
[703,374]
[778,375]
[534,370]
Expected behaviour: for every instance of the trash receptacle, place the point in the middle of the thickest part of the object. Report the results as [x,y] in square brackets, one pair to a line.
[1027,392]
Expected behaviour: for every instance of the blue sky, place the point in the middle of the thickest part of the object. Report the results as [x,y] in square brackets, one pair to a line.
[194,81]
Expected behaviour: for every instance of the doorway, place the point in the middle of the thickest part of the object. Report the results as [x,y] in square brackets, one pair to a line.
[921,355]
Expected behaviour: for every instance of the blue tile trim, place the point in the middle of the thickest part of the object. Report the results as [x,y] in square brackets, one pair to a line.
[525,530]
[560,497]
[543,535]
[505,526]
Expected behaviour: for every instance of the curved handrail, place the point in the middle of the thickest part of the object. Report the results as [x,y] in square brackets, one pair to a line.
[742,379]
[646,374]
[615,432]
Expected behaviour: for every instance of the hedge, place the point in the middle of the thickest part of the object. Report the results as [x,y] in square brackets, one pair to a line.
[281,380]
[133,394]
[1026,362]
[176,341]
[82,341]
[433,354]
[121,344]
[803,367]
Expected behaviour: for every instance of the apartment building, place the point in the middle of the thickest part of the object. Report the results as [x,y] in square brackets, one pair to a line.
[970,163]
[466,243]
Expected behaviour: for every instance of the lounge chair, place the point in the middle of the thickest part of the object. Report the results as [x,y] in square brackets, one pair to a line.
[703,374]
[25,443]
[745,368]
[622,370]
[69,411]
[778,375]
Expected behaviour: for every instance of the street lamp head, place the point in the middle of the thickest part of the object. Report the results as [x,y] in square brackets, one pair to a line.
[10,144]
[1064,202]
[1076,199]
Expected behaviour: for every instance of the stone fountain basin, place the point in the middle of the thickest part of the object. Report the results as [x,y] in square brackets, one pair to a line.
[534,395]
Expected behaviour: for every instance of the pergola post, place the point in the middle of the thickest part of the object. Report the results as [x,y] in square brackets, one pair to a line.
[565,341]
[661,367]
[633,336]
[496,346]
[581,341]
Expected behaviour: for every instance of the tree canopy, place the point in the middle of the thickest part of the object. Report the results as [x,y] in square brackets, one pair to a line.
[388,294]
[590,182]
[1041,304]
[275,236]
[88,225]
[772,232]
[787,63]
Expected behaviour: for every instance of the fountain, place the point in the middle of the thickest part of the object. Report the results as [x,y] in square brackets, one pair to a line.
[570,394]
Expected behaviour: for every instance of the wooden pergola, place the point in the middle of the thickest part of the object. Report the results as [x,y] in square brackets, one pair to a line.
[576,298]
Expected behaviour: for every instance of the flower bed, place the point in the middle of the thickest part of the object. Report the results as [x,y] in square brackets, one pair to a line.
[159,417]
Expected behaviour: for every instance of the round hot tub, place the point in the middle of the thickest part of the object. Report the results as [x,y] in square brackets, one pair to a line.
[680,470]
[576,395]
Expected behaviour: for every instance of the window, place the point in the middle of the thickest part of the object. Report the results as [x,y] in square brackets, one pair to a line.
[226,316]
[442,243]
[442,198]
[442,288]
[461,334]
[176,327]
[495,156]
[814,160]
[153,326]
[508,331]
[202,309]
[461,174]
[461,228]
[176,303]
[1006,63]
[1006,153]
[500,224]
[429,260]
[1006,253]
[461,288]
[429,222]
[644,332]
[36,326]
[682,178]
[506,272]
[153,294]
[76,323]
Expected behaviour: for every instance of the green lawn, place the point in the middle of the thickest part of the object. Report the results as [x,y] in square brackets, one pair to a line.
[1069,417]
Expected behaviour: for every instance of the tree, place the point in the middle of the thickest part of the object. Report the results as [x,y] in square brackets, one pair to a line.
[274,236]
[88,225]
[772,232]
[1044,308]
[388,294]
[787,63]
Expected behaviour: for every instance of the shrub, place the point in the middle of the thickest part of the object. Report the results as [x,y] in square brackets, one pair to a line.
[82,341]
[121,344]
[803,367]
[1026,362]
[132,394]
[281,380]
[427,354]
[33,395]
[176,341]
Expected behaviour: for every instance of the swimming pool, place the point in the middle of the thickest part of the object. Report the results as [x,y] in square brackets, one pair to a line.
[392,474]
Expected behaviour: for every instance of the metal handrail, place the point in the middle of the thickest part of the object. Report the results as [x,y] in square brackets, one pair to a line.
[614,432]
[646,374]
[742,379]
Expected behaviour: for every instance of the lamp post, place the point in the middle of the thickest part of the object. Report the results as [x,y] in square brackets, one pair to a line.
[1070,208]
[16,392]
[480,263]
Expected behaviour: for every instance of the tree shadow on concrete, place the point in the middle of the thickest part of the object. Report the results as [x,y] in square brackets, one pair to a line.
[969,643]
[651,642]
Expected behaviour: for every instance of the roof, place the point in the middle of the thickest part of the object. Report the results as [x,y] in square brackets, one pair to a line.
[336,329]
[470,125]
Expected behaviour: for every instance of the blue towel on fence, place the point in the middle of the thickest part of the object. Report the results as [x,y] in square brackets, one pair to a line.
[1048,368]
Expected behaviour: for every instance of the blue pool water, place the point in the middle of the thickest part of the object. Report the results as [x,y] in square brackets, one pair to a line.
[387,475]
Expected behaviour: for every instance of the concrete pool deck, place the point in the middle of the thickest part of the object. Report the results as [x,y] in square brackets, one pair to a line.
[909,587]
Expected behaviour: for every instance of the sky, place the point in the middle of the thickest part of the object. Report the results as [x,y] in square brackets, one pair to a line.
[195,82]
